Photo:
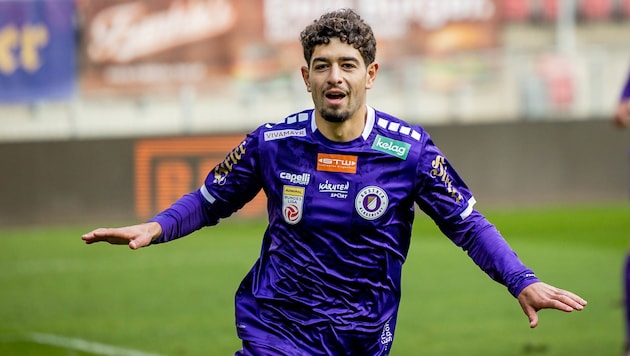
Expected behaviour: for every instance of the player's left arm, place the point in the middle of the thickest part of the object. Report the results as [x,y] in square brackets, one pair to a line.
[444,196]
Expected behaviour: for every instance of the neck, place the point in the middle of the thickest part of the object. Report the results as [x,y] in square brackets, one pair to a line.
[342,131]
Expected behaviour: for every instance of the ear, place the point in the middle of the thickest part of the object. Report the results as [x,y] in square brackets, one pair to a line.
[306,78]
[371,75]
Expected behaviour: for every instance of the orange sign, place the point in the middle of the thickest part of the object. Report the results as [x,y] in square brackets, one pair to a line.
[336,163]
[166,169]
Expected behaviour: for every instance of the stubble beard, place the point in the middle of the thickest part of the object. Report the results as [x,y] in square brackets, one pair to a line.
[335,115]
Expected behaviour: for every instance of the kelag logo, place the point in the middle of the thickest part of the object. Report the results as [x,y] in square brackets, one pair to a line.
[393,147]
[166,169]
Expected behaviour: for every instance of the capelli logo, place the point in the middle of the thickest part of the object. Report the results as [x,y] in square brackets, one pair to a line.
[336,163]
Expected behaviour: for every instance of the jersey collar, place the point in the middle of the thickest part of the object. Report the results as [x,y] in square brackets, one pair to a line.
[367,129]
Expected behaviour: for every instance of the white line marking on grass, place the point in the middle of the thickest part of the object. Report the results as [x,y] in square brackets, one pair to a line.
[84,345]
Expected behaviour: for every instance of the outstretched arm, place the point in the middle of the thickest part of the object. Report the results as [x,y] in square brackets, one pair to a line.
[491,252]
[540,295]
[135,236]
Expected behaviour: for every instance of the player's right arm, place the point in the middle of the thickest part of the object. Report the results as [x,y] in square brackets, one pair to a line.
[229,186]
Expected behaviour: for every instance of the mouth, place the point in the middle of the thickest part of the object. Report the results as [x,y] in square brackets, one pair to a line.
[335,97]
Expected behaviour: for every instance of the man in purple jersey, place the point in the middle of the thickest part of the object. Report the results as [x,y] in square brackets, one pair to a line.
[342,181]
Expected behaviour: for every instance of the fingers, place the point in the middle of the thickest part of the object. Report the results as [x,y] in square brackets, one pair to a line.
[533,320]
[115,236]
[531,315]
[134,245]
[565,301]
[93,236]
[573,300]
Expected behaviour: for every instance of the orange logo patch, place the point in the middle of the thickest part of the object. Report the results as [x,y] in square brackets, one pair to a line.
[336,163]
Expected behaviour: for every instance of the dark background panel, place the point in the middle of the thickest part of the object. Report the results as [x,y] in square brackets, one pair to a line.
[505,165]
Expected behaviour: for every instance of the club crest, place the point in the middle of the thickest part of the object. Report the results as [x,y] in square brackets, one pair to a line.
[371,202]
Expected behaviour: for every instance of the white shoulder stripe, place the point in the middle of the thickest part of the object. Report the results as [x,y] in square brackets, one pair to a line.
[300,117]
[206,194]
[396,127]
[393,126]
[471,204]
[382,122]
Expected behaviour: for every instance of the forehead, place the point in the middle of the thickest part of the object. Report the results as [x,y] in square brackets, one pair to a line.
[335,50]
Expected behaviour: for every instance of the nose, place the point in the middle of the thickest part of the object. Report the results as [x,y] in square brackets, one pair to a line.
[334,75]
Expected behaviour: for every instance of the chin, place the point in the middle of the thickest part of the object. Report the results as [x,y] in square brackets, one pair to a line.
[335,116]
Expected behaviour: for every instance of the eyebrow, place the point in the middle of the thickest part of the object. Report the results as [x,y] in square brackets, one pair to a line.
[342,59]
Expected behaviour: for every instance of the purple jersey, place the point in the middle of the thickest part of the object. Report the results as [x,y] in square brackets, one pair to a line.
[340,219]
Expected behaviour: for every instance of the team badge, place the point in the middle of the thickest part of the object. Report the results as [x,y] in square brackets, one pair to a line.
[292,202]
[371,202]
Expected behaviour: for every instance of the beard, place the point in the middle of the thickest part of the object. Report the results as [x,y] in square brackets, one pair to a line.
[336,116]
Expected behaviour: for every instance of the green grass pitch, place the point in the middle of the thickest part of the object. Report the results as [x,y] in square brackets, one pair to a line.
[61,297]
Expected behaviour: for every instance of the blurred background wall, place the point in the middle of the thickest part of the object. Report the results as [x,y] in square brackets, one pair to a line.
[528,86]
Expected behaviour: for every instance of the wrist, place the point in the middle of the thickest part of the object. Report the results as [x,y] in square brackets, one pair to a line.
[154,229]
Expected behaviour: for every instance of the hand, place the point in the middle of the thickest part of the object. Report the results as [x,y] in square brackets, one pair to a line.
[622,114]
[135,236]
[539,295]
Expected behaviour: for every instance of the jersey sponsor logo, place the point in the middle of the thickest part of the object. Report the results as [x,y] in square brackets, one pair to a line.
[302,179]
[336,163]
[292,204]
[440,171]
[371,202]
[336,190]
[387,336]
[221,171]
[280,134]
[392,147]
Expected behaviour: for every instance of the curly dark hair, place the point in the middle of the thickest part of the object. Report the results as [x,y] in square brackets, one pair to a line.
[344,24]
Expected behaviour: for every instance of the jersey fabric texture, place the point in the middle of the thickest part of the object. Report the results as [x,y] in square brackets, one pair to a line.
[328,279]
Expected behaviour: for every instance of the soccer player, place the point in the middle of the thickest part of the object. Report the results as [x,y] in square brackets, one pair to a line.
[341,181]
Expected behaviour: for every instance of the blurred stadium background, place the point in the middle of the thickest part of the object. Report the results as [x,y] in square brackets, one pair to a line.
[110,109]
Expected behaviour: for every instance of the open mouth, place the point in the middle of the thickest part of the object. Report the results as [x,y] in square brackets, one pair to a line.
[335,97]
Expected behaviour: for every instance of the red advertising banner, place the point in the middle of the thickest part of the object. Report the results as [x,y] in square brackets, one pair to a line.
[133,45]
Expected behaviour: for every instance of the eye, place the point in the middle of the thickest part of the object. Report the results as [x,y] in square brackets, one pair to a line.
[320,66]
[348,66]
